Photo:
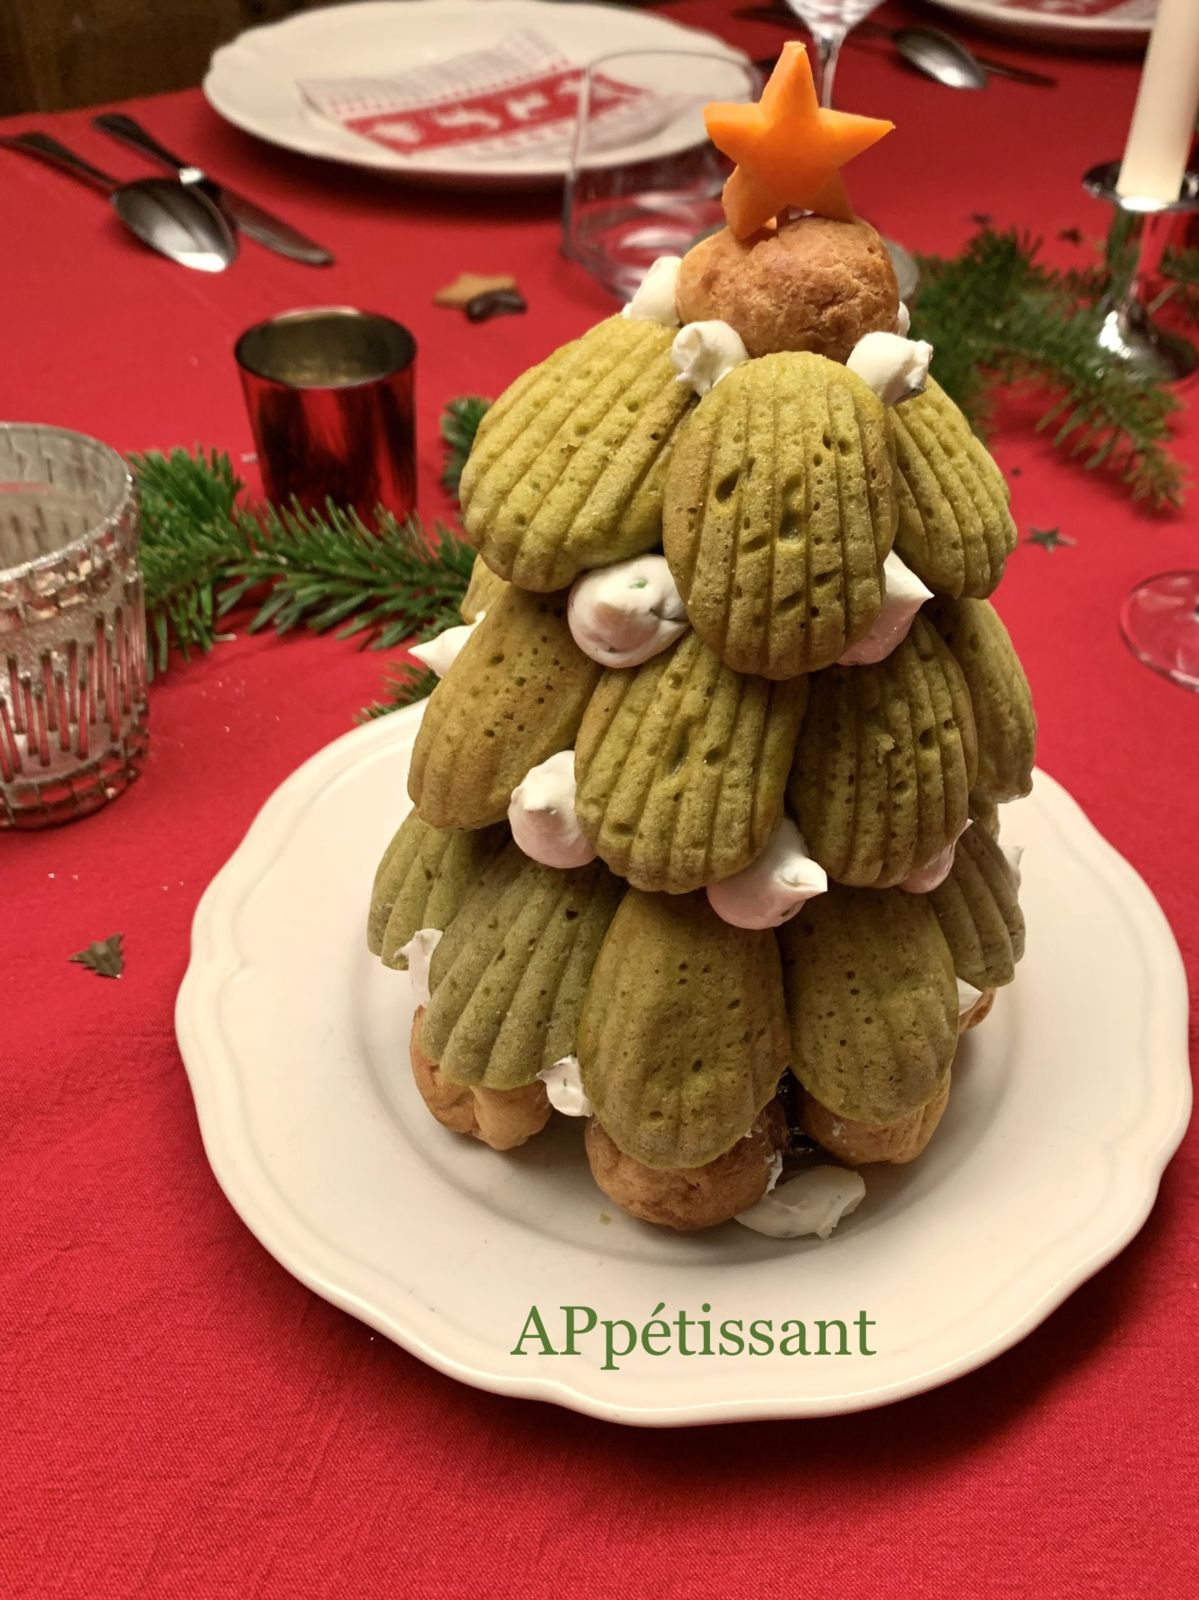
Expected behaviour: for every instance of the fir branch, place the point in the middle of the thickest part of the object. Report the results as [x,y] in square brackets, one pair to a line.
[203,555]
[999,316]
[459,423]
[1180,272]
[191,535]
[329,571]
[404,685]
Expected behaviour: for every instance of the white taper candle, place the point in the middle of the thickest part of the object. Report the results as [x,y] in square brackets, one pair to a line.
[1163,123]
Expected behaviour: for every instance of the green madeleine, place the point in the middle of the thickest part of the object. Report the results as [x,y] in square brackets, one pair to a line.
[885,763]
[871,995]
[509,976]
[979,912]
[568,465]
[482,592]
[999,692]
[514,697]
[425,875]
[985,813]
[684,1033]
[681,766]
[779,512]
[955,529]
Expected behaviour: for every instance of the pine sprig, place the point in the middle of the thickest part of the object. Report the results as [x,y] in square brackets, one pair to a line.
[459,423]
[404,685]
[191,536]
[1180,269]
[329,571]
[204,555]
[998,315]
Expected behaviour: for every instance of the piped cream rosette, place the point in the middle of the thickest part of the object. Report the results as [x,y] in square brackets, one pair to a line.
[903,595]
[774,887]
[654,300]
[895,367]
[622,615]
[542,815]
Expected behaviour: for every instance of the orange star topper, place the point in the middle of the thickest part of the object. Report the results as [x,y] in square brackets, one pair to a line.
[787,149]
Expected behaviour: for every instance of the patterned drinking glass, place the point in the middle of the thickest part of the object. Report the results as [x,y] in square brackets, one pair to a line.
[72,627]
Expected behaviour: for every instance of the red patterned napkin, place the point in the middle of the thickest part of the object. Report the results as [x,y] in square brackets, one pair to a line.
[518,96]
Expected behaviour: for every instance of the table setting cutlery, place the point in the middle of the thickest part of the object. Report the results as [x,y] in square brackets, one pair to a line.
[252,219]
[949,61]
[180,222]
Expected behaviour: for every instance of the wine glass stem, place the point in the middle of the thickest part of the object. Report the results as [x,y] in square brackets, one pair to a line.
[828,51]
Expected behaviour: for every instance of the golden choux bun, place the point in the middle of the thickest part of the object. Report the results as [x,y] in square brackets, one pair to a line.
[978,1012]
[812,284]
[859,1143]
[687,1198]
[501,1118]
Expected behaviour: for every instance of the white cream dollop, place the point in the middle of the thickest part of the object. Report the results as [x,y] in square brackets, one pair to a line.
[775,885]
[931,876]
[813,1201]
[903,595]
[654,300]
[705,352]
[903,321]
[894,367]
[542,815]
[419,953]
[564,1087]
[1013,854]
[440,653]
[968,997]
[622,615]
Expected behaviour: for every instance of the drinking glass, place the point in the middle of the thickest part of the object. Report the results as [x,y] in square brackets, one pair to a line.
[644,181]
[73,717]
[829,22]
[329,390]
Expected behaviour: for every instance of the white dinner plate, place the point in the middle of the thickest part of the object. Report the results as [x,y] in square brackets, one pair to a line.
[1089,24]
[1067,1104]
[253,81]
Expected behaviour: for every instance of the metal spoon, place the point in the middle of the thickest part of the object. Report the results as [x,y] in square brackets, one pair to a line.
[941,56]
[929,48]
[180,223]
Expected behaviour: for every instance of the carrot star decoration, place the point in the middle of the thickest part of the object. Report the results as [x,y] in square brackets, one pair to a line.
[787,149]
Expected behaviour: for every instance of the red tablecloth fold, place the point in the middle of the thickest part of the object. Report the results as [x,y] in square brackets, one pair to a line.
[180,1417]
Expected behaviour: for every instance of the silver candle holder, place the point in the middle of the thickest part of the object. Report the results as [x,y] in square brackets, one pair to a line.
[1139,235]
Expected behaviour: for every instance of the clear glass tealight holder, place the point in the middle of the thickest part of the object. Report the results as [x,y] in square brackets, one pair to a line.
[73,716]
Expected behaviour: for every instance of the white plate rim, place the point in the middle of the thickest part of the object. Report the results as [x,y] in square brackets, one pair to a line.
[375,158]
[1022,19]
[237,1165]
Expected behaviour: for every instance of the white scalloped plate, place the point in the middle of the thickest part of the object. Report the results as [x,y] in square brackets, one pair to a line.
[253,82]
[1089,24]
[1067,1105]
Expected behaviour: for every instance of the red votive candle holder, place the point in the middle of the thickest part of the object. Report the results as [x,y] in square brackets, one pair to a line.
[330,392]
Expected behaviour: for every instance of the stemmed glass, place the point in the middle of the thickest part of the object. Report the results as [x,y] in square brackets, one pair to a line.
[829,22]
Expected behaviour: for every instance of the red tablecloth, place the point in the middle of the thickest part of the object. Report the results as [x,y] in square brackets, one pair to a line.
[180,1417]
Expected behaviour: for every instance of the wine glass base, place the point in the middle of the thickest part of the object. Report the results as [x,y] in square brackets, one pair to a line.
[1160,624]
